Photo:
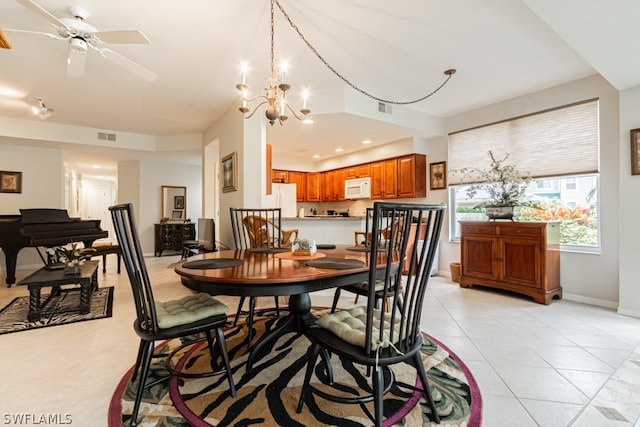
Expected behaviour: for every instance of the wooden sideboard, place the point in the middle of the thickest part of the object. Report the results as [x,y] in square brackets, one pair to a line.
[169,236]
[521,257]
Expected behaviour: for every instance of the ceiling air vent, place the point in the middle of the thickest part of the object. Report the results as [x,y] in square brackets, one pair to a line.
[384,108]
[106,136]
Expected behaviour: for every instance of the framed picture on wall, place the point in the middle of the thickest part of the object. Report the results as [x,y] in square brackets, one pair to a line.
[178,202]
[10,182]
[229,172]
[438,175]
[635,151]
[176,214]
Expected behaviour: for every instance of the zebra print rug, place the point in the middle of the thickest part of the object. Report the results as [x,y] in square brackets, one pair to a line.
[61,310]
[269,394]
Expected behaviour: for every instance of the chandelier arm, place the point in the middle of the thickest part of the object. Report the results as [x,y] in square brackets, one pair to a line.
[301,118]
[255,109]
[256,97]
[449,72]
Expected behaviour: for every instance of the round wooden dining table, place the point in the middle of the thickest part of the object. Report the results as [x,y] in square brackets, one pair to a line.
[262,272]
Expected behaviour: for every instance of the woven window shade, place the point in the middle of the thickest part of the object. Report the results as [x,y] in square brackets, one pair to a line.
[562,141]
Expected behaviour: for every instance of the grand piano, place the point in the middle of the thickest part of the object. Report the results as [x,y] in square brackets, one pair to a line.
[43,227]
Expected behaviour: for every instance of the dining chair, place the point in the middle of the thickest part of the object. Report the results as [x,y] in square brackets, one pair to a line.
[385,228]
[155,320]
[259,229]
[365,335]
[205,239]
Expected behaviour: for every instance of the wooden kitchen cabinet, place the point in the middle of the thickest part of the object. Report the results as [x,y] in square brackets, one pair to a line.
[358,171]
[314,187]
[412,176]
[384,177]
[279,176]
[300,180]
[333,185]
[522,257]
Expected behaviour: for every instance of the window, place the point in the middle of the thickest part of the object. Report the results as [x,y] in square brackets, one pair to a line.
[559,148]
[577,211]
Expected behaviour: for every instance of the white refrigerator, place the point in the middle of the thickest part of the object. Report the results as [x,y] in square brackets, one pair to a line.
[283,196]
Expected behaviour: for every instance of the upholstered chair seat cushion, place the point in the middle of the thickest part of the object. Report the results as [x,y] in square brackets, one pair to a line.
[349,325]
[188,309]
[365,285]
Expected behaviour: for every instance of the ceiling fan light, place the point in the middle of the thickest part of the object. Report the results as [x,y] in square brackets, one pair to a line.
[77,45]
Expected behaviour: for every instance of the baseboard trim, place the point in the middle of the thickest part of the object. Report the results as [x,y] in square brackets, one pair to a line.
[613,305]
[630,313]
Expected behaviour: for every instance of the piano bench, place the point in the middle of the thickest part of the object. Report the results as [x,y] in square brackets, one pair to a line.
[104,249]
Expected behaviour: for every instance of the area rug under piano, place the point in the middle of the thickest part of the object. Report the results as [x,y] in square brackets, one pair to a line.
[61,310]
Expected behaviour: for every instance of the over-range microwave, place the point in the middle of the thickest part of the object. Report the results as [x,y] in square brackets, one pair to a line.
[358,188]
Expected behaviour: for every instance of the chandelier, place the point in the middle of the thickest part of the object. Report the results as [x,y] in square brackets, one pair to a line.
[274,94]
[41,110]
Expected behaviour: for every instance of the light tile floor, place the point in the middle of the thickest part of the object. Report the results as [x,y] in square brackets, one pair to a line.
[565,364]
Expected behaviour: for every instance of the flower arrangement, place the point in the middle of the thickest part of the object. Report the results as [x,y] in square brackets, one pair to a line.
[503,182]
[304,247]
[70,255]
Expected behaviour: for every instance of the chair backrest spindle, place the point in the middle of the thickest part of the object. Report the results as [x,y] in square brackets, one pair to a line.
[127,235]
[412,235]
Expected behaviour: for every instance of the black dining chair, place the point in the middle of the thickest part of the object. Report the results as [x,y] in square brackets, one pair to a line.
[260,230]
[186,317]
[205,239]
[367,336]
[363,241]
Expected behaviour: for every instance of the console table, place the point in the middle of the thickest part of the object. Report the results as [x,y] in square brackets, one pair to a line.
[521,257]
[169,236]
[87,279]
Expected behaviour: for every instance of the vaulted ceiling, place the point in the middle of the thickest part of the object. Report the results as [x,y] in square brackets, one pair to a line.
[393,50]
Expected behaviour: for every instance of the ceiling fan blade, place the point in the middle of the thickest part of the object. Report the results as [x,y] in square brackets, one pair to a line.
[129,64]
[4,40]
[76,63]
[34,7]
[36,33]
[123,36]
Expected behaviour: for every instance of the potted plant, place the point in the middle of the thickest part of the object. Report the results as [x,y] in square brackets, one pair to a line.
[503,183]
[70,256]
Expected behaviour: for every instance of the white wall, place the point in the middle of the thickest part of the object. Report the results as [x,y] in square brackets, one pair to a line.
[42,187]
[140,183]
[589,278]
[42,178]
[629,208]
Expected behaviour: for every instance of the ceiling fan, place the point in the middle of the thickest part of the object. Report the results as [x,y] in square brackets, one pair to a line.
[82,36]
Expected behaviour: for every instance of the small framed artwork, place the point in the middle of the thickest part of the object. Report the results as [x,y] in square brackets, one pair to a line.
[178,202]
[635,151]
[229,172]
[176,214]
[438,175]
[10,182]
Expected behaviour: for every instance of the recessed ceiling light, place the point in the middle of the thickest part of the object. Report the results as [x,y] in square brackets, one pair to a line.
[316,156]
[96,166]
[366,141]
[339,150]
